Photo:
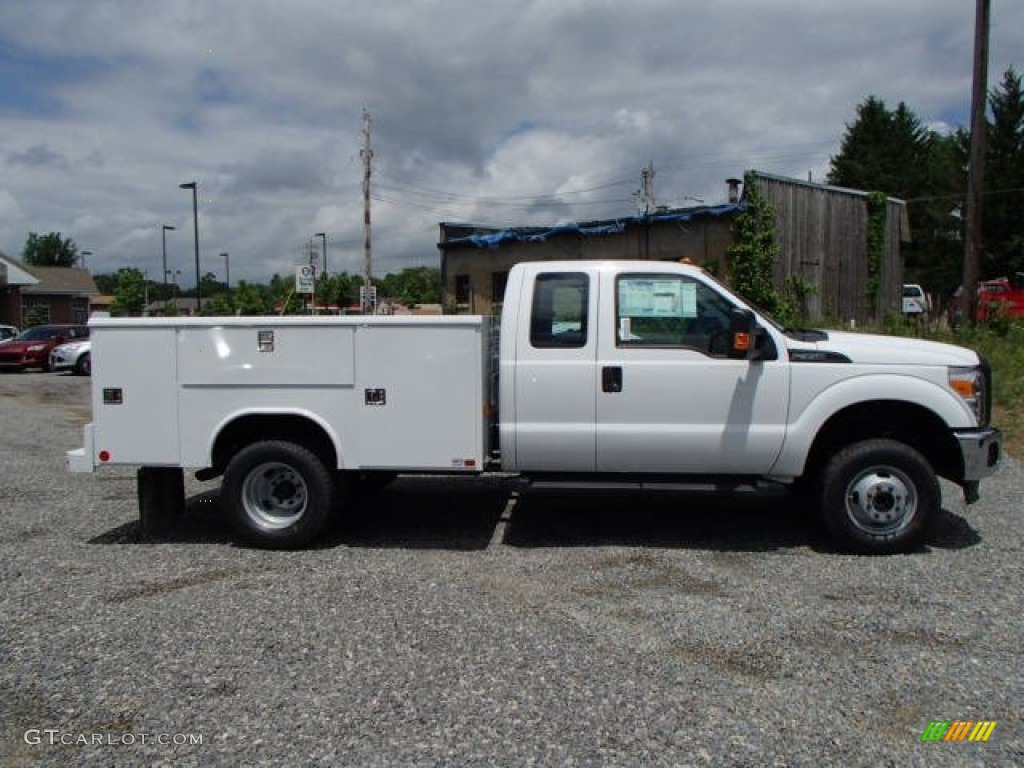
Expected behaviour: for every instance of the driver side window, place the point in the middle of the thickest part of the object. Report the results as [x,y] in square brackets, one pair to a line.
[671,311]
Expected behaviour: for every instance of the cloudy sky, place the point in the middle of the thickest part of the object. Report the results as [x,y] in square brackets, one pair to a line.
[499,113]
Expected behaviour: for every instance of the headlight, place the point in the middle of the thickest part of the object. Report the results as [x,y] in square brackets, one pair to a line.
[969,383]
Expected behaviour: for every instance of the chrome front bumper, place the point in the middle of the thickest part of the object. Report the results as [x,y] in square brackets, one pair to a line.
[981,450]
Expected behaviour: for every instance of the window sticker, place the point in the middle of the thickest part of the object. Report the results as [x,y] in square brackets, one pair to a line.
[657,298]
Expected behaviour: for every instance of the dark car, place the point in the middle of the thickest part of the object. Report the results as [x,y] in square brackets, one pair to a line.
[31,348]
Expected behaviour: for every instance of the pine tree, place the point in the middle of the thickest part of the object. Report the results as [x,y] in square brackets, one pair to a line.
[1002,224]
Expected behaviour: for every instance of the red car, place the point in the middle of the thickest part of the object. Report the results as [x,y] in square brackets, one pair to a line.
[31,348]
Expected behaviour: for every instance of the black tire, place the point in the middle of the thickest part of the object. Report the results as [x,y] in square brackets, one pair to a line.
[84,365]
[279,495]
[879,497]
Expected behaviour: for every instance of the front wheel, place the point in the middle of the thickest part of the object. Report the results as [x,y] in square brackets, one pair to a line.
[878,497]
[279,495]
[84,365]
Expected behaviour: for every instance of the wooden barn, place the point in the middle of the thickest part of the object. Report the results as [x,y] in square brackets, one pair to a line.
[821,231]
[822,235]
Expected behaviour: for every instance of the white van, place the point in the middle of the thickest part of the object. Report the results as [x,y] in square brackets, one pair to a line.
[915,300]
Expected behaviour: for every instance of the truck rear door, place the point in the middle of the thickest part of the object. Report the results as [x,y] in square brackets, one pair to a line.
[555,394]
[670,400]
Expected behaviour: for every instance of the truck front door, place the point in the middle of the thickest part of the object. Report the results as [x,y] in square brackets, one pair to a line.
[670,400]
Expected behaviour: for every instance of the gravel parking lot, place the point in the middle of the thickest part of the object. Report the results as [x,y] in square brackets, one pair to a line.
[450,622]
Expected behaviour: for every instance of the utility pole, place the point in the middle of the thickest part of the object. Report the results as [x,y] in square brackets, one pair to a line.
[976,168]
[646,192]
[646,199]
[367,155]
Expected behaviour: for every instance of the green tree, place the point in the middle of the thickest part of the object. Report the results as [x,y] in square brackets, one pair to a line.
[1002,224]
[211,285]
[250,299]
[282,290]
[246,299]
[219,305]
[105,283]
[412,286]
[130,296]
[884,150]
[49,250]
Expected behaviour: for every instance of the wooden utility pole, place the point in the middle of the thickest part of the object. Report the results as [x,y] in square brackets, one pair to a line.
[367,155]
[976,169]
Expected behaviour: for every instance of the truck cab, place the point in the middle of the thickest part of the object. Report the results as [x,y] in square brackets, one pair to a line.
[618,368]
[653,373]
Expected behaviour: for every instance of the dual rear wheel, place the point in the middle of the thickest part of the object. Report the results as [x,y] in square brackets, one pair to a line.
[279,494]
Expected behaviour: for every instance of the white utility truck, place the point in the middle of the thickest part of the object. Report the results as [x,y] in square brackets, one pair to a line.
[642,374]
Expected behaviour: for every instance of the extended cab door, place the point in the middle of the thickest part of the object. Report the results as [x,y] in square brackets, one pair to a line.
[552,428]
[670,400]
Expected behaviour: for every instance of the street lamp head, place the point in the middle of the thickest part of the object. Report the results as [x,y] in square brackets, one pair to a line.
[188,185]
[168,227]
[320,234]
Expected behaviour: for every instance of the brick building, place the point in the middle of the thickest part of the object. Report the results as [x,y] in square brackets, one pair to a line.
[31,295]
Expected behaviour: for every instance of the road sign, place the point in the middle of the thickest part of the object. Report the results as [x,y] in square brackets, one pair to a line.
[305,278]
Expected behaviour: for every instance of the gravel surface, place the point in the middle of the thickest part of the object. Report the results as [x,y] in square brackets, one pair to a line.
[473,623]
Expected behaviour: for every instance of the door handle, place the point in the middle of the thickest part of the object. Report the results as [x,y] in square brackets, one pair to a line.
[611,378]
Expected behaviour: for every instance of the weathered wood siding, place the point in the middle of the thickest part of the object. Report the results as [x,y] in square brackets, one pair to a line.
[822,237]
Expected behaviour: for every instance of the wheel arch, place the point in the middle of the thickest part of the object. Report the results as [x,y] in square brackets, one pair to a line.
[300,427]
[909,423]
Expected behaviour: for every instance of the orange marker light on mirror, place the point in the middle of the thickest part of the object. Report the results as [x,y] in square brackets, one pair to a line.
[741,341]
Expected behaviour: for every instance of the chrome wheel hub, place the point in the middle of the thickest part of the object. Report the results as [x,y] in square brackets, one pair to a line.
[881,500]
[274,495]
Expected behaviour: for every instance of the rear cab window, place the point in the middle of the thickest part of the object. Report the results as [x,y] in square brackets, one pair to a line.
[558,316]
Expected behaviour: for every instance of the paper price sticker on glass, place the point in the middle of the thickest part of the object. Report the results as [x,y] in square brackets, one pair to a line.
[652,310]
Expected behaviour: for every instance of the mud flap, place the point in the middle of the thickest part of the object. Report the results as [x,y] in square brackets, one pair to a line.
[971,492]
[161,493]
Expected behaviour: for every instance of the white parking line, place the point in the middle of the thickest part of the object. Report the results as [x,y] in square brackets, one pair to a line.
[498,537]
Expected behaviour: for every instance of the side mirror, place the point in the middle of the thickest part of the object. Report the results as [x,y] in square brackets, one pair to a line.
[742,333]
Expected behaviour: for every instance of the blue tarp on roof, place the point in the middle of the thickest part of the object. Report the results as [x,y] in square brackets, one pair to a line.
[589,229]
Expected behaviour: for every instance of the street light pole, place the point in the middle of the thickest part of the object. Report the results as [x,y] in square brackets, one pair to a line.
[227,271]
[323,243]
[195,226]
[163,237]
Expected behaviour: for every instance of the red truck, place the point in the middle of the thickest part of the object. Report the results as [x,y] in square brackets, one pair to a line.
[1002,295]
